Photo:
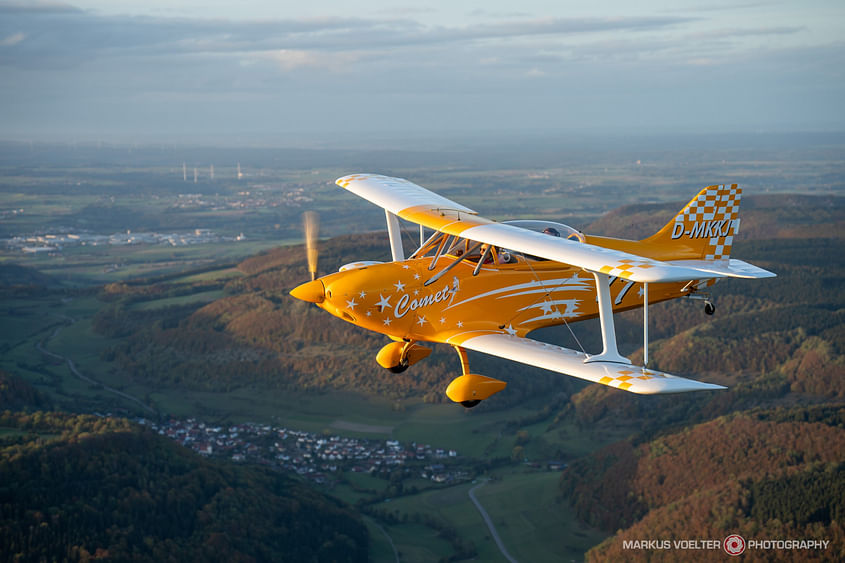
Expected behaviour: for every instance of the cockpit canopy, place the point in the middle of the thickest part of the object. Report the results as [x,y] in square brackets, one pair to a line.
[471,251]
[549,228]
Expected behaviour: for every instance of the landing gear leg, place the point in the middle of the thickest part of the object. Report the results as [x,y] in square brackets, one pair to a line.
[470,389]
[709,308]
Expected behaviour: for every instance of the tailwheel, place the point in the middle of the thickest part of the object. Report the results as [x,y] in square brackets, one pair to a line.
[470,404]
[709,308]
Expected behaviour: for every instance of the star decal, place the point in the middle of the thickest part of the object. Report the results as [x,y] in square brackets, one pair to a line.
[387,321]
[369,313]
[416,276]
[405,266]
[421,321]
[460,324]
[399,286]
[362,294]
[442,320]
[351,304]
[416,292]
[383,302]
[546,307]
[641,291]
[510,330]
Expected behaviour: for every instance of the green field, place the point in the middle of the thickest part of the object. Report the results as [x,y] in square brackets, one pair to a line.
[533,523]
[62,325]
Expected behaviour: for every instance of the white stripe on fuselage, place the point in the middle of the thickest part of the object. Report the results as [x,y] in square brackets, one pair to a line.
[545,286]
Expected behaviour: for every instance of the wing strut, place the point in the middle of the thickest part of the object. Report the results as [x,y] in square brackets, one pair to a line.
[608,331]
[395,234]
[645,324]
[463,257]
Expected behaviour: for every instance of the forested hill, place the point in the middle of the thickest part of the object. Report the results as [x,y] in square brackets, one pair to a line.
[784,334]
[15,393]
[747,460]
[763,217]
[258,334]
[774,474]
[76,488]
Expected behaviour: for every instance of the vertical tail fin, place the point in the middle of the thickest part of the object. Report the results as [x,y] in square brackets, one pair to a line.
[706,226]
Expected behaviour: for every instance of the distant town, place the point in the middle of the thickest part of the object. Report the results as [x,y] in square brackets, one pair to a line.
[260,196]
[313,456]
[53,243]
[58,238]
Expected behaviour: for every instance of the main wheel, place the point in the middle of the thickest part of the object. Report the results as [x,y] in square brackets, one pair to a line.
[400,368]
[470,404]
[709,308]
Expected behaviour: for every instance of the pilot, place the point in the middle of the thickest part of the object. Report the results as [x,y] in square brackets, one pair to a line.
[574,235]
[552,232]
[502,255]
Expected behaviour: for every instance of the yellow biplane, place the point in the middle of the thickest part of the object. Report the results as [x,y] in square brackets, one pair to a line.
[480,285]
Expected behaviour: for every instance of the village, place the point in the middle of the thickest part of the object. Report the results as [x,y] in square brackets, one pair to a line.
[316,457]
[258,196]
[47,243]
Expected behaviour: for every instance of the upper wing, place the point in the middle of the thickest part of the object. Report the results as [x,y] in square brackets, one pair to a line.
[635,379]
[419,205]
[397,194]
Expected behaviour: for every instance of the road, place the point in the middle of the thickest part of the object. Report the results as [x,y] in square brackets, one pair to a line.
[84,377]
[393,545]
[489,522]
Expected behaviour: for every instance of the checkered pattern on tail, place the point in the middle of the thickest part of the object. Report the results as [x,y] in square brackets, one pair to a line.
[716,209]
[706,226]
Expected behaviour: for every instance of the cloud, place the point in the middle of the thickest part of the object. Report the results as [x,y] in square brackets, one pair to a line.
[747,32]
[68,36]
[69,68]
[293,59]
[37,7]
[13,39]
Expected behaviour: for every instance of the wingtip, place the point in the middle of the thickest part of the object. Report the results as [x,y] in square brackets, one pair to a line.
[677,385]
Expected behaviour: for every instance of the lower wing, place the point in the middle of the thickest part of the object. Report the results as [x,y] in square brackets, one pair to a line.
[631,378]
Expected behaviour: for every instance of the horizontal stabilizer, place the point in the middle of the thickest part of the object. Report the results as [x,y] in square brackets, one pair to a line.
[732,268]
[571,362]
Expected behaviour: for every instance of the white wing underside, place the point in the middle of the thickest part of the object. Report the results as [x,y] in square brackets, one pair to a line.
[731,268]
[415,203]
[635,379]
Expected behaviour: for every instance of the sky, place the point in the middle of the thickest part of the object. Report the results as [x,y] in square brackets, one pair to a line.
[335,72]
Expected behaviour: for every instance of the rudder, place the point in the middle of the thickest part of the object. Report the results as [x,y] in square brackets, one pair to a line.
[706,226]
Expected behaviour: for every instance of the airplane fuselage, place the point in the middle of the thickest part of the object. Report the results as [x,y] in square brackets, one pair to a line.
[392,298]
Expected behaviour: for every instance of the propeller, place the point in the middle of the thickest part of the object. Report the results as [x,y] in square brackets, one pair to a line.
[311,223]
[313,291]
